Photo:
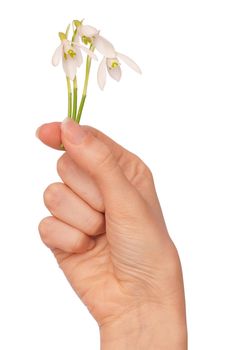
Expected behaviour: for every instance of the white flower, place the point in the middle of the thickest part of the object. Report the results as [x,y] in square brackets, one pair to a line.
[110,61]
[104,47]
[85,32]
[71,55]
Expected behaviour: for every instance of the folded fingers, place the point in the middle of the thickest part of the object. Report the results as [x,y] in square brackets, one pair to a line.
[80,182]
[57,234]
[68,207]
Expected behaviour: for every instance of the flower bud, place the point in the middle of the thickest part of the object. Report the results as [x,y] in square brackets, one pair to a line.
[77,23]
[62,36]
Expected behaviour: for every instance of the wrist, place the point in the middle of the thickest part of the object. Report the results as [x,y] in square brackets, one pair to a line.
[149,327]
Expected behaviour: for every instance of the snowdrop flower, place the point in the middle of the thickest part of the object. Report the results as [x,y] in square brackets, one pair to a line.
[110,61]
[71,55]
[86,38]
[85,32]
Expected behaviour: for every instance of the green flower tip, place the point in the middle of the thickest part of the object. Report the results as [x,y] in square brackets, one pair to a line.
[77,23]
[62,36]
[114,64]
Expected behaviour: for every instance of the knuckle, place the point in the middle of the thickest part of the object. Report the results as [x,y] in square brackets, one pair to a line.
[102,158]
[95,225]
[147,172]
[77,245]
[141,172]
[142,167]
[105,160]
[52,195]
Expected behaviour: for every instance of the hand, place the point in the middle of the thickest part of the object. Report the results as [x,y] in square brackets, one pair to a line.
[109,237]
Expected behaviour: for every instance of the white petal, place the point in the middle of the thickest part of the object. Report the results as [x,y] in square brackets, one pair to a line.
[88,31]
[129,62]
[77,38]
[104,47]
[67,46]
[89,52]
[70,67]
[101,74]
[78,58]
[115,73]
[57,55]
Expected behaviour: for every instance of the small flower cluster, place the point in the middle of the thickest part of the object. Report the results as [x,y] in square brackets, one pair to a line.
[86,39]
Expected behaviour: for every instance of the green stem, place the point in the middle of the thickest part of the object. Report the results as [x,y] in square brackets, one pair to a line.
[74,112]
[84,92]
[69,98]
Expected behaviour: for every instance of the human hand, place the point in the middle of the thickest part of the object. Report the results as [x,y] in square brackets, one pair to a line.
[109,237]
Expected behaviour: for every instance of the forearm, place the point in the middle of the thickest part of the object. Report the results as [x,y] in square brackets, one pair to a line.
[146,328]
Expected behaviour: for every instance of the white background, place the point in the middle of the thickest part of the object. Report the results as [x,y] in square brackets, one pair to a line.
[176,116]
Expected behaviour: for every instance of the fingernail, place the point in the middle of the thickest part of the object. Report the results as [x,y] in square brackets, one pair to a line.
[37,132]
[72,131]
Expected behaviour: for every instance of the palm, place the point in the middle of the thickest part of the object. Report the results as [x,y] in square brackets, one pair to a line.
[103,277]
[92,276]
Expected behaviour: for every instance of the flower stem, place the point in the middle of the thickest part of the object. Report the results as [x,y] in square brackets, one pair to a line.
[84,92]
[74,111]
[69,98]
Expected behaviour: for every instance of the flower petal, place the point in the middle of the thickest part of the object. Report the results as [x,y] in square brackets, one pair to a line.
[67,46]
[104,47]
[77,38]
[78,58]
[89,52]
[115,73]
[129,62]
[101,74]
[70,67]
[57,55]
[88,31]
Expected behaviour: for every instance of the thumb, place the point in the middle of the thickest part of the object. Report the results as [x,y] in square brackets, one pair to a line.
[97,159]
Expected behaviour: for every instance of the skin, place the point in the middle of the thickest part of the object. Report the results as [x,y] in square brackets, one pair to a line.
[109,237]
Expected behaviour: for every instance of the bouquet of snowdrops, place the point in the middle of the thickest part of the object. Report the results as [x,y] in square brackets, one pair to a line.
[76,40]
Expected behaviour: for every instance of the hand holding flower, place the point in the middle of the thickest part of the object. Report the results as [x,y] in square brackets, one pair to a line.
[109,237]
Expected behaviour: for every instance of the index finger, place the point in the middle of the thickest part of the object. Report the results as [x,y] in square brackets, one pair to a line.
[50,135]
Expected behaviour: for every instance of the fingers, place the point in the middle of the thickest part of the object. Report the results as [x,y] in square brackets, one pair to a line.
[97,159]
[133,168]
[80,182]
[50,135]
[56,234]
[71,209]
